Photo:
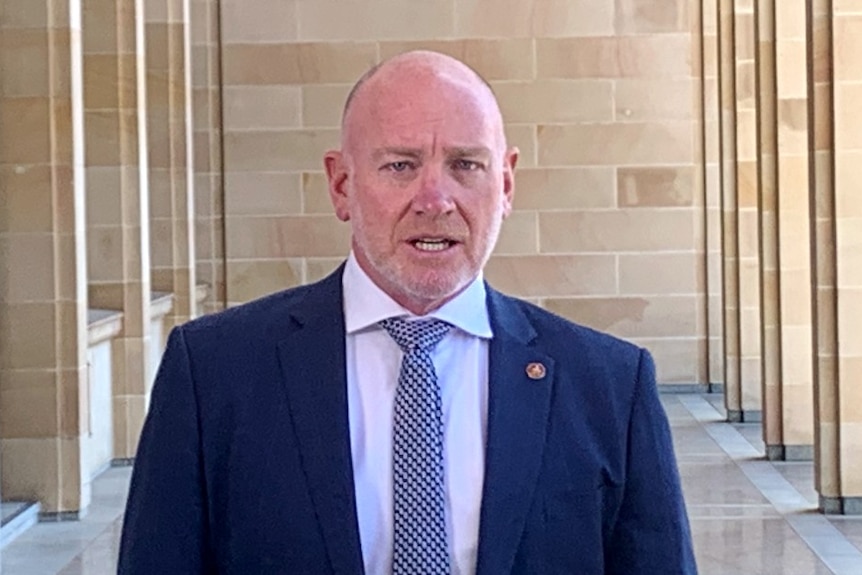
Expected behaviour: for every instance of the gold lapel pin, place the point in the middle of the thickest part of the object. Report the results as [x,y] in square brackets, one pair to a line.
[536,370]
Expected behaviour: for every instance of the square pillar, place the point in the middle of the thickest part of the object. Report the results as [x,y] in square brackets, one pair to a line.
[118,202]
[729,209]
[788,370]
[836,149]
[209,187]
[169,126]
[43,300]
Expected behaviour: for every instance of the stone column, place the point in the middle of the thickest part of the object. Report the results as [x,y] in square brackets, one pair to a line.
[767,179]
[209,188]
[712,187]
[835,56]
[169,132]
[43,297]
[789,431]
[118,201]
[748,195]
[729,216]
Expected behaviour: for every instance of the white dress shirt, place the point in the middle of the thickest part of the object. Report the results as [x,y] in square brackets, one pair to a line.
[373,364]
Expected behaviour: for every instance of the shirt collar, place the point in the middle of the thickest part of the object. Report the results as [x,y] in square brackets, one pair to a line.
[365,304]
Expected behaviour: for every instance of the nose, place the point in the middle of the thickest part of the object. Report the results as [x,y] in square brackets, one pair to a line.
[433,197]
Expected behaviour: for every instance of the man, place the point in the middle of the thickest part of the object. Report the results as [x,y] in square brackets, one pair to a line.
[401,416]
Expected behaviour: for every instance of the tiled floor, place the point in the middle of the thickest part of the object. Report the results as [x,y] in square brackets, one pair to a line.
[749,517]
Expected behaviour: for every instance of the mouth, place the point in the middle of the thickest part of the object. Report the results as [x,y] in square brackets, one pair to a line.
[427,244]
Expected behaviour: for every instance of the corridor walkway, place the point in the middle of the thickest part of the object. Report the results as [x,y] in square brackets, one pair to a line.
[749,516]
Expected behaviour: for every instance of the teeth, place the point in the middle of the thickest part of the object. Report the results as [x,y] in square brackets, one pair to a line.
[431,245]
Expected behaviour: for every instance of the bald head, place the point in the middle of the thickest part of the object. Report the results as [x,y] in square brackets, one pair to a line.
[414,72]
[416,56]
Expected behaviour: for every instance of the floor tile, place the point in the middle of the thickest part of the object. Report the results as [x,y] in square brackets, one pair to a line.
[851,528]
[752,547]
[718,483]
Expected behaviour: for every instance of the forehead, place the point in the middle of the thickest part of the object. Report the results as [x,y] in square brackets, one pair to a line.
[428,108]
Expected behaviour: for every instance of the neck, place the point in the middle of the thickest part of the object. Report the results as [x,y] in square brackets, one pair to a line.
[418,306]
[413,303]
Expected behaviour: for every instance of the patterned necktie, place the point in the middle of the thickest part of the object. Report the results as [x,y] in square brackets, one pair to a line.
[420,544]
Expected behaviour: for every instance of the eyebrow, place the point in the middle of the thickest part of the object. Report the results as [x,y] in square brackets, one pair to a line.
[464,152]
[416,153]
[379,153]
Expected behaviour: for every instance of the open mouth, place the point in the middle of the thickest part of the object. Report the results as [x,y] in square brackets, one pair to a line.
[432,244]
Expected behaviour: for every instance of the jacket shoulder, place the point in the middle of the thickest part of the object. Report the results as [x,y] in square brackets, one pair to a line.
[248,314]
[556,332]
[270,314]
[548,323]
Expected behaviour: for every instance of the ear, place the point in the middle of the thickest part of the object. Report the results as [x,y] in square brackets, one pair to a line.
[336,174]
[509,163]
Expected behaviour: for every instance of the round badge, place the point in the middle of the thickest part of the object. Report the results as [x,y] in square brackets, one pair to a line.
[536,371]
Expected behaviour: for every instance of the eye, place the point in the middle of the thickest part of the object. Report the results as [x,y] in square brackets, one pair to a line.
[399,167]
[466,165]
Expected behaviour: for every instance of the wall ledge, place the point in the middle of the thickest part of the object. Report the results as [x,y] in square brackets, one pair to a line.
[102,325]
[161,304]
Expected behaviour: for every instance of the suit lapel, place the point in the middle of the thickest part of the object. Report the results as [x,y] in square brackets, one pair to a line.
[313,365]
[518,410]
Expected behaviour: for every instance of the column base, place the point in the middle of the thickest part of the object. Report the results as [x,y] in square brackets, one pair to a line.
[790,452]
[681,388]
[744,416]
[61,516]
[841,505]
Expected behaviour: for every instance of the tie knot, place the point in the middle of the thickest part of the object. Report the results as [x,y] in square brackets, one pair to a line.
[410,335]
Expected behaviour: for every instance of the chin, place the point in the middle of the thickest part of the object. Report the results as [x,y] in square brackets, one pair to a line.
[419,282]
[434,287]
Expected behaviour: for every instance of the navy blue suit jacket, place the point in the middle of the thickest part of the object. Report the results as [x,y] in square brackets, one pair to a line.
[244,463]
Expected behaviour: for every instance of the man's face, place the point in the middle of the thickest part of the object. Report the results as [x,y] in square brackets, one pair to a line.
[426,181]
